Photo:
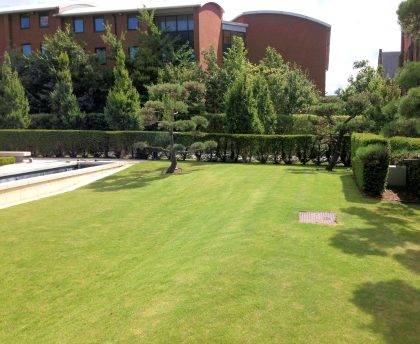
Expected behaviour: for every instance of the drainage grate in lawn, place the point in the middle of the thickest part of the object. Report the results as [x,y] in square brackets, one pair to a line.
[318,218]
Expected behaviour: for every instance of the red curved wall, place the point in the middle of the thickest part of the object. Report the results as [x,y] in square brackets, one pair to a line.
[298,40]
[208,30]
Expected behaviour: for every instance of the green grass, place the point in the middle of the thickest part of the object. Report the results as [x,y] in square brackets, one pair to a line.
[215,254]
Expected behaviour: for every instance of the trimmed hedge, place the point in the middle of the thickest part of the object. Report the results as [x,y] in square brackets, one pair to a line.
[9,160]
[370,168]
[410,144]
[230,147]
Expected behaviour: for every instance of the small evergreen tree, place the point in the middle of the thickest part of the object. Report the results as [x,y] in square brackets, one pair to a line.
[409,76]
[14,106]
[410,104]
[122,109]
[241,108]
[168,102]
[265,107]
[63,102]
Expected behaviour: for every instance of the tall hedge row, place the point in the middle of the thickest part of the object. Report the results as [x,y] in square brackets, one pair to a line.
[230,147]
[371,159]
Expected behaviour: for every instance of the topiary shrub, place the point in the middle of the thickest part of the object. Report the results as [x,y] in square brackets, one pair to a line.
[7,160]
[370,168]
[413,175]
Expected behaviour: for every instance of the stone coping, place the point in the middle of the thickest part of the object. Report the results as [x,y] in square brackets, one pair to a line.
[16,184]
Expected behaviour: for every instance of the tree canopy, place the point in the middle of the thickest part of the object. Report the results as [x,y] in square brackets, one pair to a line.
[409,17]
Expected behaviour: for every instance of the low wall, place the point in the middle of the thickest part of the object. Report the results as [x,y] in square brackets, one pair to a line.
[31,189]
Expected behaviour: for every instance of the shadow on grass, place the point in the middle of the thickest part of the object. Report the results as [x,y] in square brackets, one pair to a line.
[388,228]
[410,259]
[395,308]
[134,179]
[352,193]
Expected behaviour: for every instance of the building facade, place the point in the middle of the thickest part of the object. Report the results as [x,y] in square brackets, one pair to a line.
[410,49]
[301,40]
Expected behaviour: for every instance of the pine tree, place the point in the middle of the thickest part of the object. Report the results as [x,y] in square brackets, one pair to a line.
[63,102]
[122,109]
[235,62]
[241,108]
[265,106]
[14,106]
[156,49]
[215,84]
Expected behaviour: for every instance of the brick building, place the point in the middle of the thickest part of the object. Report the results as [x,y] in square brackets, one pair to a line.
[410,49]
[300,39]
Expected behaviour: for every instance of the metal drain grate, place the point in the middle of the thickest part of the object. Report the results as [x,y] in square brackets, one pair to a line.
[318,218]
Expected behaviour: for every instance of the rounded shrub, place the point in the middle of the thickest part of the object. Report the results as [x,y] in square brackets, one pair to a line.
[370,166]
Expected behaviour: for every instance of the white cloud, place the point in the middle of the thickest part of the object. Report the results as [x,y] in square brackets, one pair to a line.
[359,27]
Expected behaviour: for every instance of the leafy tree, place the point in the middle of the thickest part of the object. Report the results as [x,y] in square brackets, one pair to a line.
[241,108]
[291,90]
[63,102]
[409,75]
[235,61]
[265,107]
[156,50]
[14,106]
[123,103]
[409,17]
[410,104]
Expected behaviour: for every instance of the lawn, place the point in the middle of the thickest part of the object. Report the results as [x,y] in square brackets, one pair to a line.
[215,254]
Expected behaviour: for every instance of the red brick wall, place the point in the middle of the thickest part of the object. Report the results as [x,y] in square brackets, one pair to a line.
[410,50]
[298,40]
[34,35]
[208,30]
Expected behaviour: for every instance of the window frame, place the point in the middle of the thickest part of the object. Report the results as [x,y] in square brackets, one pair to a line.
[74,24]
[94,24]
[23,51]
[25,15]
[136,47]
[130,16]
[40,15]
[97,49]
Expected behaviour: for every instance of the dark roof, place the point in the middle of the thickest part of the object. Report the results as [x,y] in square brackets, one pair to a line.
[390,61]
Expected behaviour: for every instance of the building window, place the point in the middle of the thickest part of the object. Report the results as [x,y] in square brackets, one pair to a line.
[132,52]
[78,25]
[101,55]
[26,49]
[181,27]
[44,20]
[132,23]
[42,48]
[99,24]
[228,38]
[25,21]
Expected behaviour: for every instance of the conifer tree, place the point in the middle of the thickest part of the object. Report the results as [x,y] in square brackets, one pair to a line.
[265,107]
[241,108]
[122,109]
[14,106]
[63,101]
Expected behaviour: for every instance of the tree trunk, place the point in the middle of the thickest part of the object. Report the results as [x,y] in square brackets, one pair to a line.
[172,167]
[335,150]
[336,146]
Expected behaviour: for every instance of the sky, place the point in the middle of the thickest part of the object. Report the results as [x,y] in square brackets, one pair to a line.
[359,27]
